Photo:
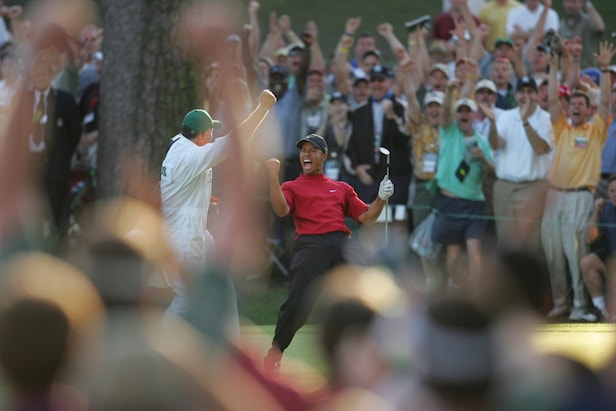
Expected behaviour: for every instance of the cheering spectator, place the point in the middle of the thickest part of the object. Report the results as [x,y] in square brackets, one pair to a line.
[463,157]
[587,26]
[601,235]
[573,178]
[521,21]
[494,14]
[523,143]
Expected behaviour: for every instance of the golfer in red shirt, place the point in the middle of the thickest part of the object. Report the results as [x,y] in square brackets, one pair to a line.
[318,206]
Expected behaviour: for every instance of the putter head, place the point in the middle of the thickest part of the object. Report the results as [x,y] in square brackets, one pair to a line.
[384,151]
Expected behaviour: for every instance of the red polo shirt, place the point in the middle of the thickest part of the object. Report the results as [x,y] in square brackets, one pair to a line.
[319,205]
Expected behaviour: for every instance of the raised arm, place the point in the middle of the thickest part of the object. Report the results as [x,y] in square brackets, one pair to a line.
[447,110]
[279,203]
[274,39]
[572,76]
[418,51]
[595,17]
[284,22]
[537,34]
[468,19]
[604,58]
[554,107]
[255,30]
[302,73]
[477,50]
[387,31]
[341,55]
[316,54]
[413,110]
[472,77]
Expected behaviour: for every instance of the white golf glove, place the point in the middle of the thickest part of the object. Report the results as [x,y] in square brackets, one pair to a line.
[386,188]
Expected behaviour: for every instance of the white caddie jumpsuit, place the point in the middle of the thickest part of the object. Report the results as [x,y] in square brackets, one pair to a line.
[186,189]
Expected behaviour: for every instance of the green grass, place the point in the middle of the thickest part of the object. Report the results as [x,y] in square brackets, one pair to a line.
[303,362]
[259,303]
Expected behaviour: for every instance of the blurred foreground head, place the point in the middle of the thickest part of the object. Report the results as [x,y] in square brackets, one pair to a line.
[456,358]
[34,337]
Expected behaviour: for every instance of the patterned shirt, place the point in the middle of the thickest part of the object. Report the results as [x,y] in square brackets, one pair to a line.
[425,139]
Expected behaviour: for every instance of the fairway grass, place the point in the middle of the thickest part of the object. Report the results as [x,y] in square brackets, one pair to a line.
[302,362]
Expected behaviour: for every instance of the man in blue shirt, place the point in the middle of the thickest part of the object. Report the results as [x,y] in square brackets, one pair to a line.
[608,156]
[601,234]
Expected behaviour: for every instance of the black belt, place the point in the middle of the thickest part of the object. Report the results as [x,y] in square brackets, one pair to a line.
[521,182]
[572,189]
[605,176]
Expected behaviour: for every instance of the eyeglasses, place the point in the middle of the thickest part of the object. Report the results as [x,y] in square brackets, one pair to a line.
[484,91]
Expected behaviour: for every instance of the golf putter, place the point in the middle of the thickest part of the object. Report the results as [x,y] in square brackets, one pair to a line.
[386,153]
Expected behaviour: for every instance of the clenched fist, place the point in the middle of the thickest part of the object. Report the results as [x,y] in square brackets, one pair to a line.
[273,166]
[267,99]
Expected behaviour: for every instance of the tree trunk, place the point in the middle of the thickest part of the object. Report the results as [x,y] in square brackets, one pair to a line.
[145,89]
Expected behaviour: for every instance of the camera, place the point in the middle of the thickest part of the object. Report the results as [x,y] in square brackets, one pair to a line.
[553,42]
[422,22]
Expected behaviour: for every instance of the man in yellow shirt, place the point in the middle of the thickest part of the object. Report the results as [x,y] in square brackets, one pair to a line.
[575,174]
[494,14]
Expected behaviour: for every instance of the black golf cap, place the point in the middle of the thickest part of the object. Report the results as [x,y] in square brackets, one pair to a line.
[316,140]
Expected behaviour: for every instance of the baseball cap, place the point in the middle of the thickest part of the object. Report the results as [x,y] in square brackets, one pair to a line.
[359,78]
[198,121]
[503,40]
[434,97]
[564,91]
[612,68]
[293,48]
[278,69]
[442,68]
[314,139]
[437,49]
[282,52]
[337,96]
[541,79]
[485,83]
[380,71]
[526,81]
[466,102]
[375,53]
[593,73]
[542,47]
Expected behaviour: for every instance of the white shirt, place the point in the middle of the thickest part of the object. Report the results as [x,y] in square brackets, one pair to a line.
[527,20]
[517,161]
[186,188]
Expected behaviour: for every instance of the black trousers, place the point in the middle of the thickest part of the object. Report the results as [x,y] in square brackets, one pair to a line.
[314,256]
[58,195]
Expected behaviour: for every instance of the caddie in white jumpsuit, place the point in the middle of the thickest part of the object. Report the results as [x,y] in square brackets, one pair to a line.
[186,188]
